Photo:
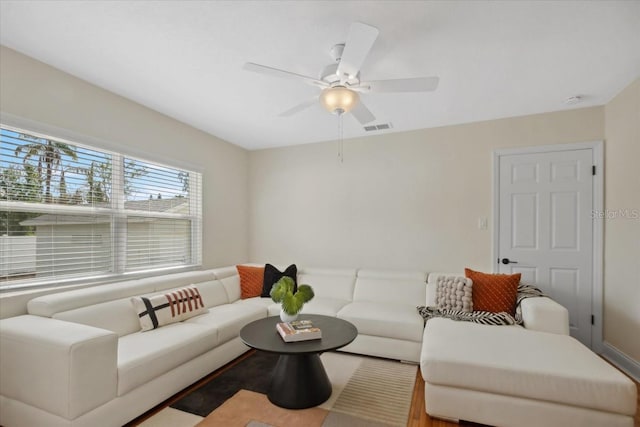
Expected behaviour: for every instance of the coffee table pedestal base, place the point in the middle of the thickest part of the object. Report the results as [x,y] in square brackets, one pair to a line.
[299,381]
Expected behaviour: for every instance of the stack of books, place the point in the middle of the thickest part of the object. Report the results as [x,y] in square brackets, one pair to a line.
[298,330]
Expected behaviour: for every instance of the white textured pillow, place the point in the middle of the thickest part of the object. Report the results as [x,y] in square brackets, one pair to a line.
[454,293]
[170,307]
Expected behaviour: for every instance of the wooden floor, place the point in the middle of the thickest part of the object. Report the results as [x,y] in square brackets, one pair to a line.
[417,415]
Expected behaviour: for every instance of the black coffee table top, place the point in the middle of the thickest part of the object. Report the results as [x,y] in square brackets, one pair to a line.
[262,335]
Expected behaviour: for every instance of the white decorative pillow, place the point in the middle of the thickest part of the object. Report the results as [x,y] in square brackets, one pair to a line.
[170,307]
[454,293]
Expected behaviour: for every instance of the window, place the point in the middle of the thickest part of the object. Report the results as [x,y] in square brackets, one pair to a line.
[69,211]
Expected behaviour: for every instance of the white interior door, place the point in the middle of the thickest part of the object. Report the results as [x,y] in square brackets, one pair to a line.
[545,227]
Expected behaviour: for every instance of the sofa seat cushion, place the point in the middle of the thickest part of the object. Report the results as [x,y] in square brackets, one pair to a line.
[384,320]
[143,356]
[324,306]
[229,319]
[266,303]
[513,361]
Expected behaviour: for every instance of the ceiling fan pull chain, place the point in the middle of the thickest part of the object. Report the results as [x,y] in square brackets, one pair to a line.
[340,142]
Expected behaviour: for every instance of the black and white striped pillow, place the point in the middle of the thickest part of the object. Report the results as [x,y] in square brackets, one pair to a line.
[481,317]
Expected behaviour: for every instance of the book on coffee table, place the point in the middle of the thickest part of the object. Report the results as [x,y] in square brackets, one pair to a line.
[301,330]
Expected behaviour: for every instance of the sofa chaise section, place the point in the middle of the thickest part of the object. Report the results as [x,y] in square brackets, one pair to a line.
[521,376]
[507,375]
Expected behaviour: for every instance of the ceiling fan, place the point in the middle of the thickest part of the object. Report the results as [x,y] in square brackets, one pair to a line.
[340,82]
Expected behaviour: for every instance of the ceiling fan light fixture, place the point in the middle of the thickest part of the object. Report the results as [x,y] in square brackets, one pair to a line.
[338,99]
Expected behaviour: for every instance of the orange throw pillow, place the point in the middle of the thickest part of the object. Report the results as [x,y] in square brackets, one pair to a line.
[494,292]
[251,279]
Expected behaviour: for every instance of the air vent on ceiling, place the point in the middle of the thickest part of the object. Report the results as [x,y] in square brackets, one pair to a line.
[382,126]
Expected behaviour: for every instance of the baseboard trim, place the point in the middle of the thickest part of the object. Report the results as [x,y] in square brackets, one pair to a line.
[630,366]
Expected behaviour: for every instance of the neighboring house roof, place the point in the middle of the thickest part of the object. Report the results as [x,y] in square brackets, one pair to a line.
[54,219]
[174,205]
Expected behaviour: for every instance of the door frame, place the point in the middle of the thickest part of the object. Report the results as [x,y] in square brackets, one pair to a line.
[597,149]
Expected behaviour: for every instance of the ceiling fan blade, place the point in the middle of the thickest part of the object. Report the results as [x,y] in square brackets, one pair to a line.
[362,113]
[359,42]
[300,107]
[263,69]
[419,84]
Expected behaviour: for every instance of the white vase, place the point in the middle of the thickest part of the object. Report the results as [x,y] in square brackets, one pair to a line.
[287,317]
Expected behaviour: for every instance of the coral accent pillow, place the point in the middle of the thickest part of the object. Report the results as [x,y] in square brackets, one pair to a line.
[250,281]
[494,292]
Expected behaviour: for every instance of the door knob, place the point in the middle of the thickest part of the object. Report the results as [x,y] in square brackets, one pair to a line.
[508,261]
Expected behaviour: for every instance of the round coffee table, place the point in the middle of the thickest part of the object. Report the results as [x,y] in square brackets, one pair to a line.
[299,380]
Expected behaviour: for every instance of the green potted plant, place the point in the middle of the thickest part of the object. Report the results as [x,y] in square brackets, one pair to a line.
[290,303]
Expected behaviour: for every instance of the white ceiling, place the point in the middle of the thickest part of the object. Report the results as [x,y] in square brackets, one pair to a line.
[184,58]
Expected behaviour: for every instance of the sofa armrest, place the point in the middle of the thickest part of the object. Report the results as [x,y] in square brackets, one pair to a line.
[545,315]
[64,368]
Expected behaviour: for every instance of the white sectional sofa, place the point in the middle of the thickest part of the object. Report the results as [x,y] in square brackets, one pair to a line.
[530,376]
[79,358]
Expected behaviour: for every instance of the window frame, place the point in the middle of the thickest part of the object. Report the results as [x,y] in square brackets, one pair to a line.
[117,212]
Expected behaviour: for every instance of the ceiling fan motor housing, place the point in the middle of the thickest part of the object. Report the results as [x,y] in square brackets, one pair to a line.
[329,73]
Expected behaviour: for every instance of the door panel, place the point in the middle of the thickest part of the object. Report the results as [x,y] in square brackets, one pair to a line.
[525,221]
[564,228]
[545,225]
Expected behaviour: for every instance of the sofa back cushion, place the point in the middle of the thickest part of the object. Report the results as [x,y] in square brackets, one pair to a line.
[49,305]
[230,279]
[117,316]
[213,293]
[177,280]
[109,306]
[120,315]
[335,283]
[387,286]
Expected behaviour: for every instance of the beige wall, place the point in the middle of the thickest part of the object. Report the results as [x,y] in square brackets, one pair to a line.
[35,91]
[402,201]
[622,234]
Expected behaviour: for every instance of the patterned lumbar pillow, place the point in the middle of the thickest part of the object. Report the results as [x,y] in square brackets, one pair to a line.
[173,306]
[454,293]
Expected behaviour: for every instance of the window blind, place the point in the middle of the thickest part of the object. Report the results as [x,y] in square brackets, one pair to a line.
[69,211]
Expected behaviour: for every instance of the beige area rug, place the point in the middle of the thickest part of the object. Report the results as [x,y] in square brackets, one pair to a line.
[367,392]
[379,390]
